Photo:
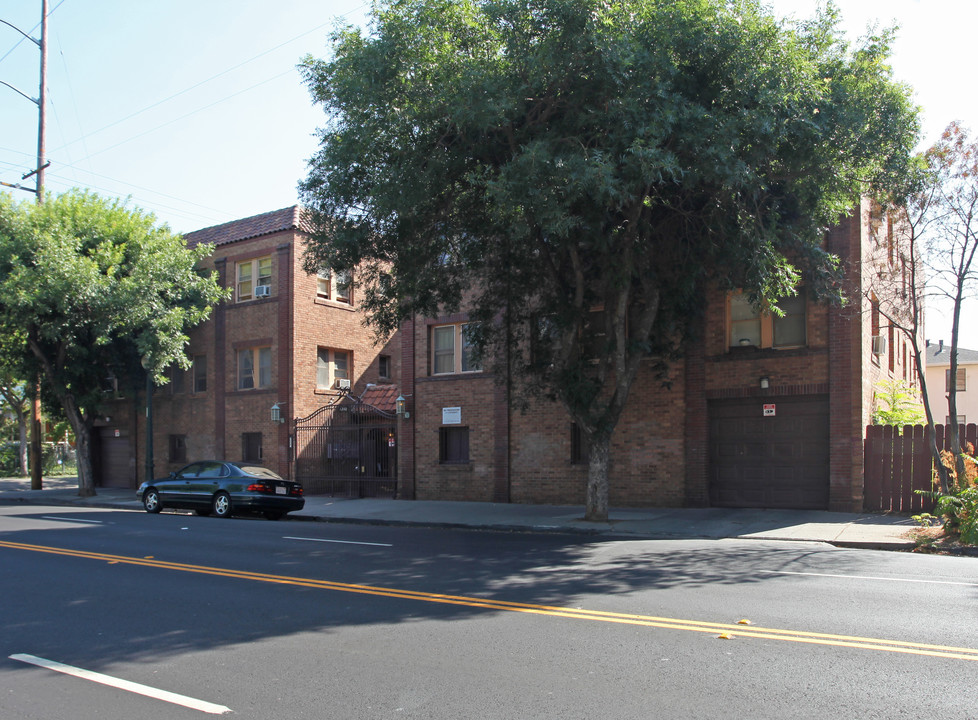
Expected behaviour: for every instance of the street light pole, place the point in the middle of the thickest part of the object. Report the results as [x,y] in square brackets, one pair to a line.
[148,367]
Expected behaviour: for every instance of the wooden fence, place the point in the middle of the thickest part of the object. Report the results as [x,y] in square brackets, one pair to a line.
[899,464]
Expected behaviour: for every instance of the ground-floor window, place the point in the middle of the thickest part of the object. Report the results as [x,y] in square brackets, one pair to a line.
[453,445]
[251,450]
[178,449]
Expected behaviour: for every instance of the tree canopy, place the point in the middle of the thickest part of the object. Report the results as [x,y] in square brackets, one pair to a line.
[574,173]
[93,288]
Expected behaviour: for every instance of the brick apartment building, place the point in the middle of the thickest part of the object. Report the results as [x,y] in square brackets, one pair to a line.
[762,411]
[285,338]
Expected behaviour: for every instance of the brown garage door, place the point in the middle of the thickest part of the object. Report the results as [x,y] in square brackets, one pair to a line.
[774,461]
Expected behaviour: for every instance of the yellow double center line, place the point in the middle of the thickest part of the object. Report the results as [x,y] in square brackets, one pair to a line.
[735,630]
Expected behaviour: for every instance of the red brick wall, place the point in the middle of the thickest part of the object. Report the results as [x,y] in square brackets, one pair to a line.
[293,323]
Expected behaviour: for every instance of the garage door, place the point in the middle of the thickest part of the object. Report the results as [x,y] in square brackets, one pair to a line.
[770,452]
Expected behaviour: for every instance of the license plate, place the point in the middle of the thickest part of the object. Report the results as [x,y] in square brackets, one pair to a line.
[281,491]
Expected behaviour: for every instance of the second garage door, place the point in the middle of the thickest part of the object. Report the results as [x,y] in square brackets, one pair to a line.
[776,457]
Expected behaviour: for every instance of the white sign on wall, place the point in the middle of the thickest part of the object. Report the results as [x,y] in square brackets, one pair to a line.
[769,410]
[451,416]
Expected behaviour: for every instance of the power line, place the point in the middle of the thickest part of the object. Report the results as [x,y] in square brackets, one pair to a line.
[17,44]
[215,77]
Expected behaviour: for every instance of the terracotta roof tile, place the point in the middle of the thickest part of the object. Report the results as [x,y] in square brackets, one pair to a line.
[290,218]
[382,397]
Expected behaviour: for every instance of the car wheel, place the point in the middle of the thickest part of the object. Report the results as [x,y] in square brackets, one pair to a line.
[151,501]
[222,504]
[273,515]
[203,512]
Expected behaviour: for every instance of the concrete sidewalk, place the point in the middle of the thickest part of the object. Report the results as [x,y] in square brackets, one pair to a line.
[864,530]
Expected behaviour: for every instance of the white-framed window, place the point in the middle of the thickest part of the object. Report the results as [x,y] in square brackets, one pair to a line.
[254,368]
[962,380]
[451,350]
[748,326]
[252,274]
[384,367]
[332,365]
[335,285]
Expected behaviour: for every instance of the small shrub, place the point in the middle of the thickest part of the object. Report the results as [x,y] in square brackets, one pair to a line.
[960,512]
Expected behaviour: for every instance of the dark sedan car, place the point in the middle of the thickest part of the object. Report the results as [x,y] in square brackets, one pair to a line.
[223,488]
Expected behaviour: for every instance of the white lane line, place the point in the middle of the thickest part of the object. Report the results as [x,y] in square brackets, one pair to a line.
[132,687]
[341,542]
[870,577]
[65,519]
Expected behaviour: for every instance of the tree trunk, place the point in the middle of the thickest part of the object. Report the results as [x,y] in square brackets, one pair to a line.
[83,446]
[22,450]
[86,478]
[596,507]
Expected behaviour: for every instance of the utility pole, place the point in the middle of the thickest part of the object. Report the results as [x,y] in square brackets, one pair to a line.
[37,430]
[35,455]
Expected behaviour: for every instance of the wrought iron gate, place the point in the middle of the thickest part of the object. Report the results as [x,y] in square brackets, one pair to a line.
[347,448]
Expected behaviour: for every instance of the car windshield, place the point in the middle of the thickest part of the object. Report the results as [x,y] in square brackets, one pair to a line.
[260,472]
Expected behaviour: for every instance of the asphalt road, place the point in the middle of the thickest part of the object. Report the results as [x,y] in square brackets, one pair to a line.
[312,620]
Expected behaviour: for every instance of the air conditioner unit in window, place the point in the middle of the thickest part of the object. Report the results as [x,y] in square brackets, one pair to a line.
[263,291]
[879,345]
[342,384]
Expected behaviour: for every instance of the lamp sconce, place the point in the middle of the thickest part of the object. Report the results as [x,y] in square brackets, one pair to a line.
[765,382]
[400,406]
[277,414]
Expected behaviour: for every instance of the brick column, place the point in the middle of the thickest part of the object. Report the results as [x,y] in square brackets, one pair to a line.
[406,435]
[285,338]
[845,376]
[697,424]
[220,357]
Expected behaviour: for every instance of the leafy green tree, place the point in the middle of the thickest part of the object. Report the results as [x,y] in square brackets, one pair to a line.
[95,287]
[574,173]
[14,395]
[894,403]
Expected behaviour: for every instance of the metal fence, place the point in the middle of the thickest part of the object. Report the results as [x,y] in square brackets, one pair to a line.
[346,449]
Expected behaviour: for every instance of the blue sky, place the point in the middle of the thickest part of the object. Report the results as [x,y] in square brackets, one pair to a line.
[195,110]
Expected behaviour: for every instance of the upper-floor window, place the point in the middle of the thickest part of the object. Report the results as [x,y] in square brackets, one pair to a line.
[254,368]
[962,381]
[452,350]
[177,374]
[749,326]
[335,285]
[199,371]
[384,367]
[252,275]
[331,365]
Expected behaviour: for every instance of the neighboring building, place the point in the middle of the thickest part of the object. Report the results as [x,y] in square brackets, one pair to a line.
[285,338]
[762,412]
[939,382]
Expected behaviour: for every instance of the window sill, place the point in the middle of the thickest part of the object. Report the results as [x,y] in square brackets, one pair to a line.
[338,304]
[752,352]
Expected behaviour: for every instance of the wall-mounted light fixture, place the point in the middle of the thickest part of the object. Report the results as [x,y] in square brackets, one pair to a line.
[400,406]
[277,414]
[765,382]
